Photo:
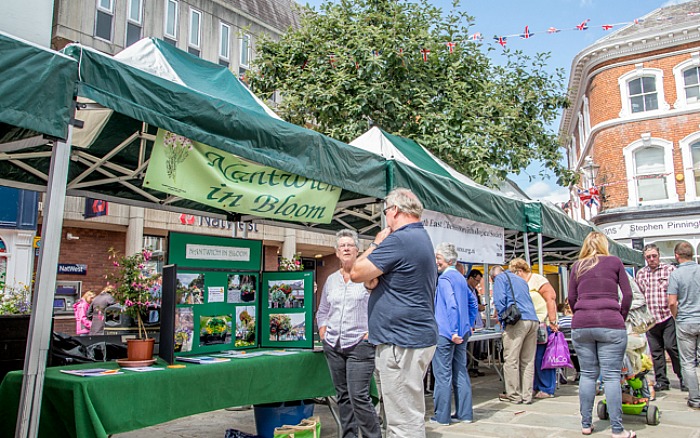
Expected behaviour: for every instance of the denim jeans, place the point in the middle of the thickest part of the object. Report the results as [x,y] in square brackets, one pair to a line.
[351,371]
[450,371]
[600,352]
[688,337]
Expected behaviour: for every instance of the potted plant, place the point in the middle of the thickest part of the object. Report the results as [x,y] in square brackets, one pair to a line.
[132,290]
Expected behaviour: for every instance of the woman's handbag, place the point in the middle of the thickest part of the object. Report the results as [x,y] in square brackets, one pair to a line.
[557,353]
[512,314]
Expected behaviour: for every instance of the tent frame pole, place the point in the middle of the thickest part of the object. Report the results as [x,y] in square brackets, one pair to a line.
[526,248]
[41,318]
[540,256]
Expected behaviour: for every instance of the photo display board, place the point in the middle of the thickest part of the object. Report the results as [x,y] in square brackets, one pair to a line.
[286,309]
[210,295]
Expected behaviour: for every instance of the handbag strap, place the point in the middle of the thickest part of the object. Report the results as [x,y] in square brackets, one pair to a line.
[512,291]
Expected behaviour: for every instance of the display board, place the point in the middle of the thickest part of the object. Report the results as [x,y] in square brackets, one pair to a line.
[286,309]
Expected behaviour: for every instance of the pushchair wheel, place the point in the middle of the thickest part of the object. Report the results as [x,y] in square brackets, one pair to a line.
[602,409]
[653,415]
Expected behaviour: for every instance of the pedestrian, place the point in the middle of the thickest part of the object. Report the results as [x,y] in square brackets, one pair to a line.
[545,300]
[598,327]
[653,282]
[519,339]
[684,302]
[478,348]
[96,312]
[399,269]
[455,312]
[342,326]
[80,311]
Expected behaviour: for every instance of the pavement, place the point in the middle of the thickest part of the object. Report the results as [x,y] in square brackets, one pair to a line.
[557,417]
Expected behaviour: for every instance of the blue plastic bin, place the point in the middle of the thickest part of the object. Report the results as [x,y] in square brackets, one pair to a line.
[272,415]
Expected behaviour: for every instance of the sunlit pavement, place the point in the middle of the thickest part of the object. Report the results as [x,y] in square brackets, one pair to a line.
[549,418]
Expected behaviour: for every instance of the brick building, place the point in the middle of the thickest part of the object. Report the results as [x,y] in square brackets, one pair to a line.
[633,129]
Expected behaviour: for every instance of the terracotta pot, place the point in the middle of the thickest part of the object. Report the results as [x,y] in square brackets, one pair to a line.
[140,349]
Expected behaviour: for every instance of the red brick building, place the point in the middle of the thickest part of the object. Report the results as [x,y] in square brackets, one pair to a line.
[633,129]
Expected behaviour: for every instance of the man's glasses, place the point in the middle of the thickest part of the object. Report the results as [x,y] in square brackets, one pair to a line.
[346,245]
[388,208]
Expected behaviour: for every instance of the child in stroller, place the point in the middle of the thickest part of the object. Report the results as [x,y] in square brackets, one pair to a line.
[636,391]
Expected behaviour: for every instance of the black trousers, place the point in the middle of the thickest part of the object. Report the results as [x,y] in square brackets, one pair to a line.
[662,338]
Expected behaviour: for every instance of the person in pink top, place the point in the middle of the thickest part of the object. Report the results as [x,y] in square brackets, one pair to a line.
[80,309]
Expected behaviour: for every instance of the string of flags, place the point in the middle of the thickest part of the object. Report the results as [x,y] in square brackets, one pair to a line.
[526,34]
[591,196]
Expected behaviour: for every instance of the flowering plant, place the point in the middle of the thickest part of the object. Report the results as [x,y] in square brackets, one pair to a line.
[132,286]
[293,264]
[14,300]
[177,149]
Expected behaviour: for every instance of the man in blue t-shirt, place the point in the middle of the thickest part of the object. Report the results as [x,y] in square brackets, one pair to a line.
[400,271]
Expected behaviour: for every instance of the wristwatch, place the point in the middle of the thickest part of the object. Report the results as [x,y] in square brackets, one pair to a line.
[373,245]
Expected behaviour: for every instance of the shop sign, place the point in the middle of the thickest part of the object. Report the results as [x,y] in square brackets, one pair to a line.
[72,268]
[475,242]
[652,228]
[210,176]
[211,222]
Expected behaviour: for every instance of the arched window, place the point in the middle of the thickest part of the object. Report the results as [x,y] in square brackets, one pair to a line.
[649,164]
[690,151]
[642,92]
[687,77]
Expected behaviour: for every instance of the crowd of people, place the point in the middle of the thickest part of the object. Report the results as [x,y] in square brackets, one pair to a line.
[399,307]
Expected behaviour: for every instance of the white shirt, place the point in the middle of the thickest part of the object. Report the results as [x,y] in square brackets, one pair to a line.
[343,311]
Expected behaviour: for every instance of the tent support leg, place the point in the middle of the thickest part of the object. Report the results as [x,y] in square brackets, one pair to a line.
[44,288]
[526,248]
[539,253]
[487,295]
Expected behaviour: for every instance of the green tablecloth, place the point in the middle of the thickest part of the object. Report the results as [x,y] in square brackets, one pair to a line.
[100,406]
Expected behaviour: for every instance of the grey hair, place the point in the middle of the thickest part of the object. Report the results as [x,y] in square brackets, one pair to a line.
[346,232]
[448,252]
[405,201]
[495,270]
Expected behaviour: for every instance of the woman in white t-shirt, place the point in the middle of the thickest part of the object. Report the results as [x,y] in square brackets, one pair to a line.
[545,300]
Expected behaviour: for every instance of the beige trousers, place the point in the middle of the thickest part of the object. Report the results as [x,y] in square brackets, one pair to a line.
[519,347]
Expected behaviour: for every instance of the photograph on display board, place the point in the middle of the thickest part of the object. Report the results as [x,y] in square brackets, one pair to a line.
[245,326]
[287,327]
[241,288]
[184,329]
[189,288]
[215,329]
[285,294]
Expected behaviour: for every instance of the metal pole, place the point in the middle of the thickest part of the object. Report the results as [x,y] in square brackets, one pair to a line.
[487,295]
[40,322]
[526,244]
[564,281]
[539,253]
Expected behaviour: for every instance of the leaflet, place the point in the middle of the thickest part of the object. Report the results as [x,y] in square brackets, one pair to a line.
[93,372]
[203,359]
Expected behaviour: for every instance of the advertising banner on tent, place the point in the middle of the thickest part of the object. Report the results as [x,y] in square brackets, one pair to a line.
[475,242]
[195,171]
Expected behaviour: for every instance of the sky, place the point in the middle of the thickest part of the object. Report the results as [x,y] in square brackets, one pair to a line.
[507,17]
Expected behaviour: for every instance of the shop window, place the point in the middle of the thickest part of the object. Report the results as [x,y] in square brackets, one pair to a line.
[666,247]
[156,245]
[649,164]
[104,16]
[690,150]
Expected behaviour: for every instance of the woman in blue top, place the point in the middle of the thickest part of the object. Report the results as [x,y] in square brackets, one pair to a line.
[455,313]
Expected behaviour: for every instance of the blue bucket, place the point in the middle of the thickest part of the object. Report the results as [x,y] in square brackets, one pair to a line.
[272,415]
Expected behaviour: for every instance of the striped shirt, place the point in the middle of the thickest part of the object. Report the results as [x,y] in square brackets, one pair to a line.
[343,311]
[654,285]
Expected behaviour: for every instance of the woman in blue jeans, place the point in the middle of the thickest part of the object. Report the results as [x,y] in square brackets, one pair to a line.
[598,328]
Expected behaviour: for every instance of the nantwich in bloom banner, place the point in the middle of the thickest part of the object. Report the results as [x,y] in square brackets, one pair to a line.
[195,171]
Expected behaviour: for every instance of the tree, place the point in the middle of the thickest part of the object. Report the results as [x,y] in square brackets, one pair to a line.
[388,62]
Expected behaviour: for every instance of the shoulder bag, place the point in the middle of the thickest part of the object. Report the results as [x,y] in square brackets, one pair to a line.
[512,314]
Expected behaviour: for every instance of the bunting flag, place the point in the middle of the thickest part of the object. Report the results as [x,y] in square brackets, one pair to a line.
[476,36]
[553,30]
[501,40]
[331,58]
[607,26]
[589,197]
[95,208]
[583,25]
[525,35]
[425,53]
[450,46]
[376,53]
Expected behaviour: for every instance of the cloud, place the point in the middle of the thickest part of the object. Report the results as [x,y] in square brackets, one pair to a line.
[547,192]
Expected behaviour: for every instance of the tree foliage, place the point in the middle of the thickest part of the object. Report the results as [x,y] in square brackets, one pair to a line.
[357,62]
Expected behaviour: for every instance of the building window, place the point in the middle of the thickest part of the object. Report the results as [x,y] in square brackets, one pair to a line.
[649,164]
[687,77]
[3,264]
[224,43]
[245,51]
[642,92]
[103,19]
[690,150]
[171,18]
[134,21]
[195,31]
[156,245]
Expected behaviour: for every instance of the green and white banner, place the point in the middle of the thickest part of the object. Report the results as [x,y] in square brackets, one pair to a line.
[195,171]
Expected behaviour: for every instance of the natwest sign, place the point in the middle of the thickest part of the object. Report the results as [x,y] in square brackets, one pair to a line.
[210,222]
[653,228]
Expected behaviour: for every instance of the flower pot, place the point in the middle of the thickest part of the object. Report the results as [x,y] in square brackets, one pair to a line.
[140,349]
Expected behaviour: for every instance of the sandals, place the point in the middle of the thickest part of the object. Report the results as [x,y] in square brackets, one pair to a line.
[628,434]
[587,430]
[542,394]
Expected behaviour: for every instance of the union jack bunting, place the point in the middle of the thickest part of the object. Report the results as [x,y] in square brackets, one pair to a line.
[525,35]
[589,197]
[553,30]
[476,36]
[425,53]
[501,40]
[451,46]
[583,25]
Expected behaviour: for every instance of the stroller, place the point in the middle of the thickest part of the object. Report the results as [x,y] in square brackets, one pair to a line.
[635,388]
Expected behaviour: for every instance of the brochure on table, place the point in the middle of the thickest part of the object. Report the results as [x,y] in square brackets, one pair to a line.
[216,298]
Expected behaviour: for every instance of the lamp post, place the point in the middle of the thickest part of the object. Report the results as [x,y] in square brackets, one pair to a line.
[590,169]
